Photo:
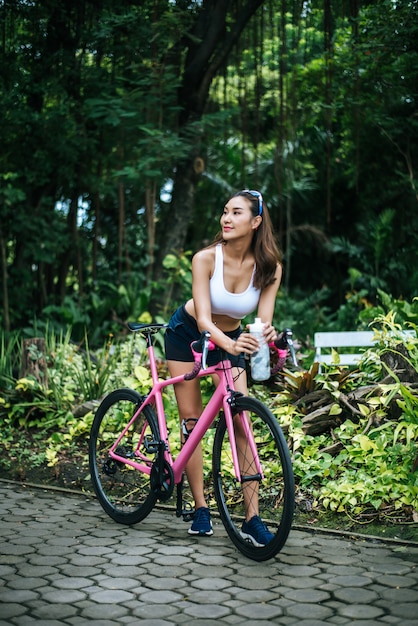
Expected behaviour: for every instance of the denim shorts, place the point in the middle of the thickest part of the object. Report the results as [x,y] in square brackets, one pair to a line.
[182,330]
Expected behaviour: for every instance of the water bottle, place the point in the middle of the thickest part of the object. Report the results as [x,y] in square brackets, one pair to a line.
[260,360]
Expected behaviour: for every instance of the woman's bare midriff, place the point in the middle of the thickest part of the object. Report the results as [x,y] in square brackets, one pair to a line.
[223,322]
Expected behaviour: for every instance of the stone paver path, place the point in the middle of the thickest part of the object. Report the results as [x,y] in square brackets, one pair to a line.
[64,562]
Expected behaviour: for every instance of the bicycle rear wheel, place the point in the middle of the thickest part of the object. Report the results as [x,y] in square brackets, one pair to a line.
[123,491]
[274,491]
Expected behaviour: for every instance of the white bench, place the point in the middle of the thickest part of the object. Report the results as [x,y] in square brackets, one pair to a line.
[345,339]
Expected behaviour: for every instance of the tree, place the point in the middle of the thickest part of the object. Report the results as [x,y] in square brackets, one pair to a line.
[216,30]
[126,124]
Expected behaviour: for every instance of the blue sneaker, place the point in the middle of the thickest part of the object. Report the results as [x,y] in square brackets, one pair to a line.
[202,525]
[257,532]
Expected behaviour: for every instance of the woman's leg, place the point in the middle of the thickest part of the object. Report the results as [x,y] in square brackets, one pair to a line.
[245,458]
[189,402]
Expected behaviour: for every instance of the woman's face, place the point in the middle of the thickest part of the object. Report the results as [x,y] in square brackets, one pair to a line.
[237,220]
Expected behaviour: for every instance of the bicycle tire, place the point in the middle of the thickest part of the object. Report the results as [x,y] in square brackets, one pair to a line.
[276,492]
[123,492]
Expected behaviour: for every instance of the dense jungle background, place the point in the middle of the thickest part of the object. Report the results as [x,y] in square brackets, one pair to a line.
[125,128]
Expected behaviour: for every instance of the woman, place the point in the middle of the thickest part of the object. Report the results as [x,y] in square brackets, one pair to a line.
[239,273]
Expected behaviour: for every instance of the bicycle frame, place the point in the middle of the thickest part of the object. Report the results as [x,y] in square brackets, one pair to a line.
[221,399]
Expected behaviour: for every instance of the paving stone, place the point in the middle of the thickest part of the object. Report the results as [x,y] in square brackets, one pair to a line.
[11,609]
[253,583]
[256,595]
[407,610]
[81,567]
[299,583]
[105,611]
[311,596]
[160,597]
[259,611]
[165,583]
[143,611]
[26,583]
[312,622]
[355,595]
[63,596]
[363,611]
[156,622]
[369,622]
[126,559]
[54,612]
[16,596]
[402,595]
[338,559]
[300,571]
[202,611]
[397,581]
[344,570]
[111,596]
[307,610]
[351,581]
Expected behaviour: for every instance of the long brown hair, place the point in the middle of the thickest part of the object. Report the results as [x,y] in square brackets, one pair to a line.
[264,246]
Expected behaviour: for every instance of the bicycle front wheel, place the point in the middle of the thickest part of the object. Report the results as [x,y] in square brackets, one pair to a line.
[123,491]
[271,493]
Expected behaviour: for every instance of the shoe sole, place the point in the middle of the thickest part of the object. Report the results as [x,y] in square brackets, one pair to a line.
[250,539]
[198,533]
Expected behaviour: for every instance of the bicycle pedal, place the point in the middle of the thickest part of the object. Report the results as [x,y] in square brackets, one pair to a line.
[187,512]
[151,445]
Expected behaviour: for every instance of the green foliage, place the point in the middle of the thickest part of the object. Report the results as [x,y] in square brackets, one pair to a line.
[372,473]
[10,347]
[374,470]
[364,466]
[179,272]
[101,98]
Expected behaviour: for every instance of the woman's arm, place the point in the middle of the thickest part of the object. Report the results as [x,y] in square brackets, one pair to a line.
[266,305]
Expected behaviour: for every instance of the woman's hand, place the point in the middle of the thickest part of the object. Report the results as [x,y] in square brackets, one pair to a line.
[269,332]
[245,343]
[248,344]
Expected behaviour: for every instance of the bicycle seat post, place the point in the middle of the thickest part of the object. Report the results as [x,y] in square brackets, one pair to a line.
[147,335]
[150,348]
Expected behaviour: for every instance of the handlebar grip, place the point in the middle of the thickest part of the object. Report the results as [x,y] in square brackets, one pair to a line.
[281,361]
[284,344]
[196,369]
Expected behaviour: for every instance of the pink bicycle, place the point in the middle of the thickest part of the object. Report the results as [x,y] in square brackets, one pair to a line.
[133,466]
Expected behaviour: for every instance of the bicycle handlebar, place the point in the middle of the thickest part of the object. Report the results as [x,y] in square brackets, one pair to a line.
[200,348]
[283,344]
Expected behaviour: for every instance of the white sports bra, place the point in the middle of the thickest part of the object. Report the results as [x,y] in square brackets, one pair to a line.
[223,302]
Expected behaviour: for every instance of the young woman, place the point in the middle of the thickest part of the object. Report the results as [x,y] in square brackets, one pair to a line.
[239,273]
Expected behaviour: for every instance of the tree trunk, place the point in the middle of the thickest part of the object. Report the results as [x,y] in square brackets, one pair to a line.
[4,278]
[34,360]
[121,230]
[328,45]
[208,47]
